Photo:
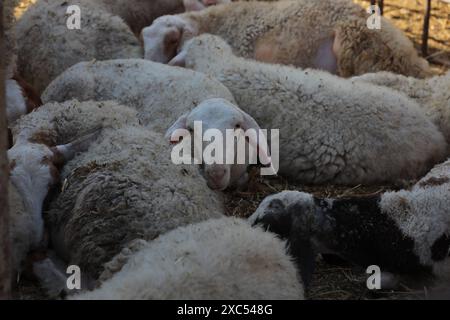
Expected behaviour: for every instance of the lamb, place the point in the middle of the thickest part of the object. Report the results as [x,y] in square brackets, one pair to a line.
[346,132]
[404,232]
[432,94]
[287,32]
[46,46]
[33,172]
[159,93]
[123,188]
[217,259]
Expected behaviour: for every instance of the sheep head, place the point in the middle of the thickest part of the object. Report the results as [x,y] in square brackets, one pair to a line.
[221,118]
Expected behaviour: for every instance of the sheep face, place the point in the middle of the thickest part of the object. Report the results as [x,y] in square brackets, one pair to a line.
[33,172]
[163,38]
[221,117]
[295,217]
[34,166]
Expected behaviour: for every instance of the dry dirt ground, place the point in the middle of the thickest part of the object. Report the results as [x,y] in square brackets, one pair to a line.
[337,281]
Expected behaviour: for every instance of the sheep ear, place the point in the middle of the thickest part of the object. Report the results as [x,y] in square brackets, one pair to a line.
[174,133]
[67,152]
[260,143]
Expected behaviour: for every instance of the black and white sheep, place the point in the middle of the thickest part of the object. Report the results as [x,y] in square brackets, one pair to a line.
[403,232]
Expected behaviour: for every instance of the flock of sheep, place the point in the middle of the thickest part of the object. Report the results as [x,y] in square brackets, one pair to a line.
[92,112]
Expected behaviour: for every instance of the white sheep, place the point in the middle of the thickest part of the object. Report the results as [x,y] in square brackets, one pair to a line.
[405,232]
[217,259]
[160,94]
[47,47]
[433,94]
[324,34]
[125,187]
[332,130]
[33,172]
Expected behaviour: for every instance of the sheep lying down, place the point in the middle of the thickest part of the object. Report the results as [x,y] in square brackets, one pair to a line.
[121,198]
[332,130]
[331,35]
[125,187]
[217,259]
[46,47]
[159,93]
[33,171]
[165,98]
[403,232]
[432,94]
